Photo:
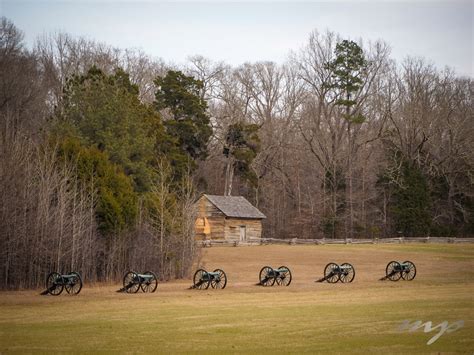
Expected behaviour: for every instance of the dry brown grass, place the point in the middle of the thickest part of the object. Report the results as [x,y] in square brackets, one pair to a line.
[306,316]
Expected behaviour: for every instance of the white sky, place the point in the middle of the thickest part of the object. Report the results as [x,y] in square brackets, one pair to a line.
[236,32]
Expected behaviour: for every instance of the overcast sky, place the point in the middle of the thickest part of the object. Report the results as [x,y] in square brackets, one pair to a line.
[236,32]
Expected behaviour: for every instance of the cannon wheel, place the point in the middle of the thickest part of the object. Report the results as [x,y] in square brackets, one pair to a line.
[328,270]
[411,273]
[266,276]
[390,272]
[284,279]
[198,280]
[149,285]
[347,275]
[131,283]
[221,282]
[76,286]
[54,284]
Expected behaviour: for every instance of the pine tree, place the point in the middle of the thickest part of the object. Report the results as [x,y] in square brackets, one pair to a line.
[347,72]
[242,145]
[190,124]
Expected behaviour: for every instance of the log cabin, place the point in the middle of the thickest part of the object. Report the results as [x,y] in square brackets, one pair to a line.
[227,218]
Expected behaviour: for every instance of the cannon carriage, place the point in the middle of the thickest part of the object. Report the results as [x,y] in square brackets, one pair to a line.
[396,271]
[56,283]
[147,282]
[202,279]
[334,273]
[269,276]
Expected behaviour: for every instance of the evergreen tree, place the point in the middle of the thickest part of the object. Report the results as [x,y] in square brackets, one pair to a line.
[104,111]
[409,198]
[347,71]
[116,206]
[242,145]
[190,124]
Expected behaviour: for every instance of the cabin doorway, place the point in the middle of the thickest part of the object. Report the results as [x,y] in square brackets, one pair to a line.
[243,233]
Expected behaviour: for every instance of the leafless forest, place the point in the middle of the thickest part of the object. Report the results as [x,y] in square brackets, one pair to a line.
[404,168]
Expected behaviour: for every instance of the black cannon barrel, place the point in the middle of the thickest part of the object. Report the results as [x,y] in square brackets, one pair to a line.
[202,279]
[56,283]
[400,270]
[268,276]
[133,281]
[334,273]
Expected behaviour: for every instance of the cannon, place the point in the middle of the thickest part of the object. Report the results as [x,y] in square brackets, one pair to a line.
[334,273]
[202,279]
[56,283]
[133,281]
[269,276]
[396,271]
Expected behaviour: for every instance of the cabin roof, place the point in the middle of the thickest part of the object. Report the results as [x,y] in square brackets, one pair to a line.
[235,206]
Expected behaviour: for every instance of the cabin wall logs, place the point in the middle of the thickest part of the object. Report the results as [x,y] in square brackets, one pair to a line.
[211,223]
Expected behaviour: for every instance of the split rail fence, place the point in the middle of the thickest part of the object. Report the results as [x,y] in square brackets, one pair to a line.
[297,241]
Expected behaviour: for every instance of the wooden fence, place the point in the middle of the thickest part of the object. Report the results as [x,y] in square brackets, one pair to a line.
[297,241]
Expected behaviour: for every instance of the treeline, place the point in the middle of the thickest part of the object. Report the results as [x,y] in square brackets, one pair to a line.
[93,178]
[350,144]
[104,151]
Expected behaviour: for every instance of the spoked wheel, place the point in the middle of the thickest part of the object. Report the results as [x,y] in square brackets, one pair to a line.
[74,285]
[392,271]
[149,285]
[201,279]
[347,273]
[331,273]
[409,273]
[284,279]
[266,276]
[54,284]
[131,282]
[220,280]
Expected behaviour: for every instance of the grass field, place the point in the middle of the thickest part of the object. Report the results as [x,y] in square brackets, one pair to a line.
[305,317]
